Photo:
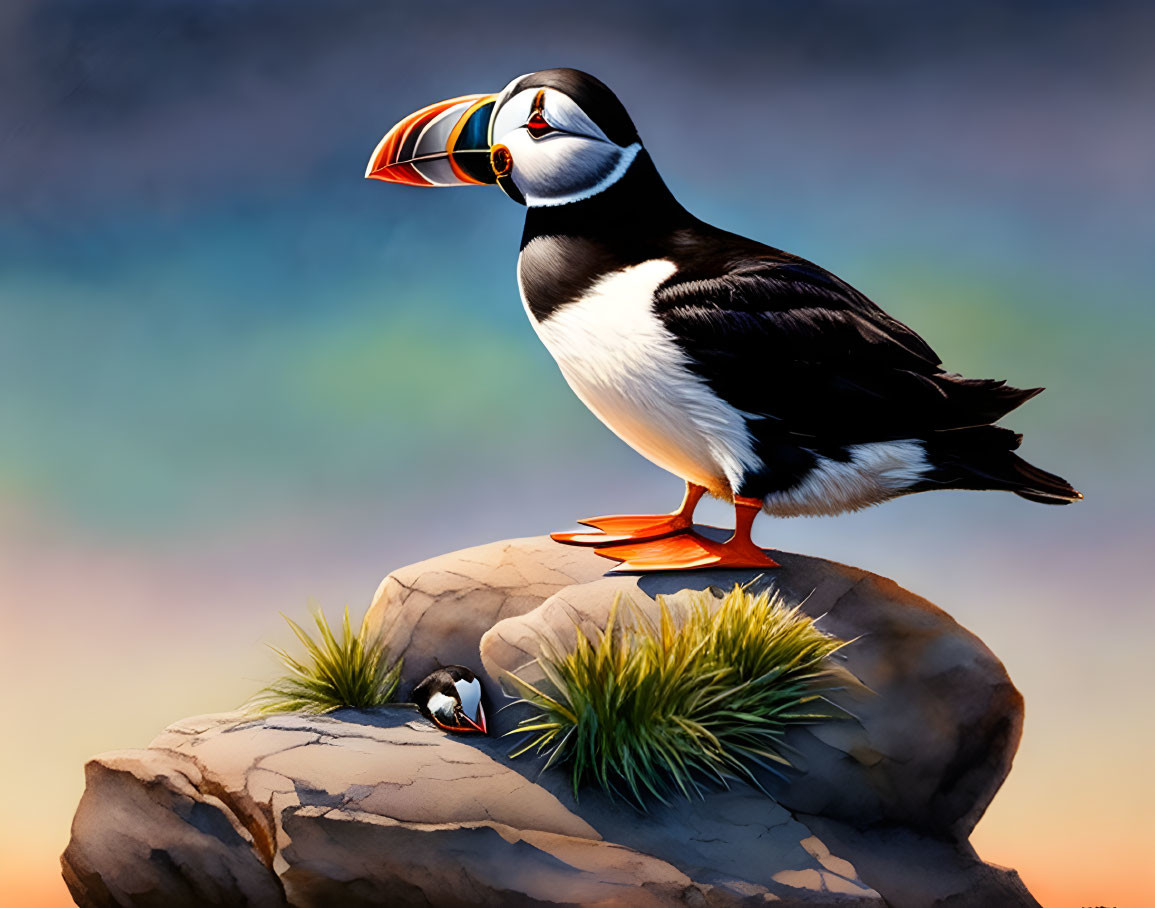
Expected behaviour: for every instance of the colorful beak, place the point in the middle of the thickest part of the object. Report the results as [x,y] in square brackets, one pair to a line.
[480,723]
[469,726]
[444,144]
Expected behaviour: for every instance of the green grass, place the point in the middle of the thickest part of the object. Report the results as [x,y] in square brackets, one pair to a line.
[351,670]
[650,708]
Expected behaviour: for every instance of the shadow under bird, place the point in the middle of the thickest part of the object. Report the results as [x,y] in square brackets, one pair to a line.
[751,373]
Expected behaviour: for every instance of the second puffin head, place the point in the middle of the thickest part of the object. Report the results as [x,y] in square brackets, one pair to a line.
[451,698]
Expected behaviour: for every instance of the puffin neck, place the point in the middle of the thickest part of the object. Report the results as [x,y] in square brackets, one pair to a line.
[638,203]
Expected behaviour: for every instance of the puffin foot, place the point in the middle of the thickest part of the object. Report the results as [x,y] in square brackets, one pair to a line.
[638,528]
[687,552]
[627,528]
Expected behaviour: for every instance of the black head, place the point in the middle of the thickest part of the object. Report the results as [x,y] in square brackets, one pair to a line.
[548,138]
[590,94]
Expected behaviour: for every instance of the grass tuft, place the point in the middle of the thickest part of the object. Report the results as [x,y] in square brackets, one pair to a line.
[347,671]
[649,708]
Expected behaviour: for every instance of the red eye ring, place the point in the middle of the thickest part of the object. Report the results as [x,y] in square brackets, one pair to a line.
[537,125]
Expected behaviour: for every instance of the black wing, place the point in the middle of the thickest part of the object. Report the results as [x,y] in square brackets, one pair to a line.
[785,340]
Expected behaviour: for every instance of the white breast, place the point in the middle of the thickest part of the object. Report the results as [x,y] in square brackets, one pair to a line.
[626,367]
[443,706]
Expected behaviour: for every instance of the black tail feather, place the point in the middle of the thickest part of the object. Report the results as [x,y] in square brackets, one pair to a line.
[984,458]
[1041,486]
[981,401]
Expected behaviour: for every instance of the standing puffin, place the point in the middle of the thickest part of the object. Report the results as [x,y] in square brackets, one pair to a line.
[451,698]
[749,372]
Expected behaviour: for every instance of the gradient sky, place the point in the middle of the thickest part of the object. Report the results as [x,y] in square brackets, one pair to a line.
[235,376]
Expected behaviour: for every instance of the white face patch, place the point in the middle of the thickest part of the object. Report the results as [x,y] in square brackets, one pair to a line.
[559,109]
[875,473]
[443,707]
[470,694]
[562,167]
[626,367]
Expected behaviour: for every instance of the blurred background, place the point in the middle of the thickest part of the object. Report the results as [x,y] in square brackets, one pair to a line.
[236,377]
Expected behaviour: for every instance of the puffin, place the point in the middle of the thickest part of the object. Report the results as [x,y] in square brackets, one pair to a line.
[451,698]
[752,374]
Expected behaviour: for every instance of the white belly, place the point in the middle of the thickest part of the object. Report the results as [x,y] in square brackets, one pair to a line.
[623,364]
[876,472]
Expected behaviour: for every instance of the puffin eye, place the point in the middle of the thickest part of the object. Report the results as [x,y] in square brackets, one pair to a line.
[537,125]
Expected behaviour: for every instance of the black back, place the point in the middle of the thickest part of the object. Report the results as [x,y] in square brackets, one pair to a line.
[817,365]
[441,682]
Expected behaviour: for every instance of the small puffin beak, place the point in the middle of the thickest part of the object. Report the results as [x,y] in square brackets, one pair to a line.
[480,723]
[469,726]
[444,144]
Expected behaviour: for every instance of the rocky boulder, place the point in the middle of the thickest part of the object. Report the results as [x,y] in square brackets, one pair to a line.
[382,808]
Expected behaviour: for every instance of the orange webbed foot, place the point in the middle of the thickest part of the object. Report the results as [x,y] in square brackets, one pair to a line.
[626,528]
[623,528]
[686,552]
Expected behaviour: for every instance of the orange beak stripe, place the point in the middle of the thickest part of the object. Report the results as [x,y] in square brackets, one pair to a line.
[480,723]
[470,728]
[384,164]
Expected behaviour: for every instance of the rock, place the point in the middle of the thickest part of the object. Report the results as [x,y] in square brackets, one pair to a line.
[147,817]
[341,809]
[366,808]
[434,612]
[935,732]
